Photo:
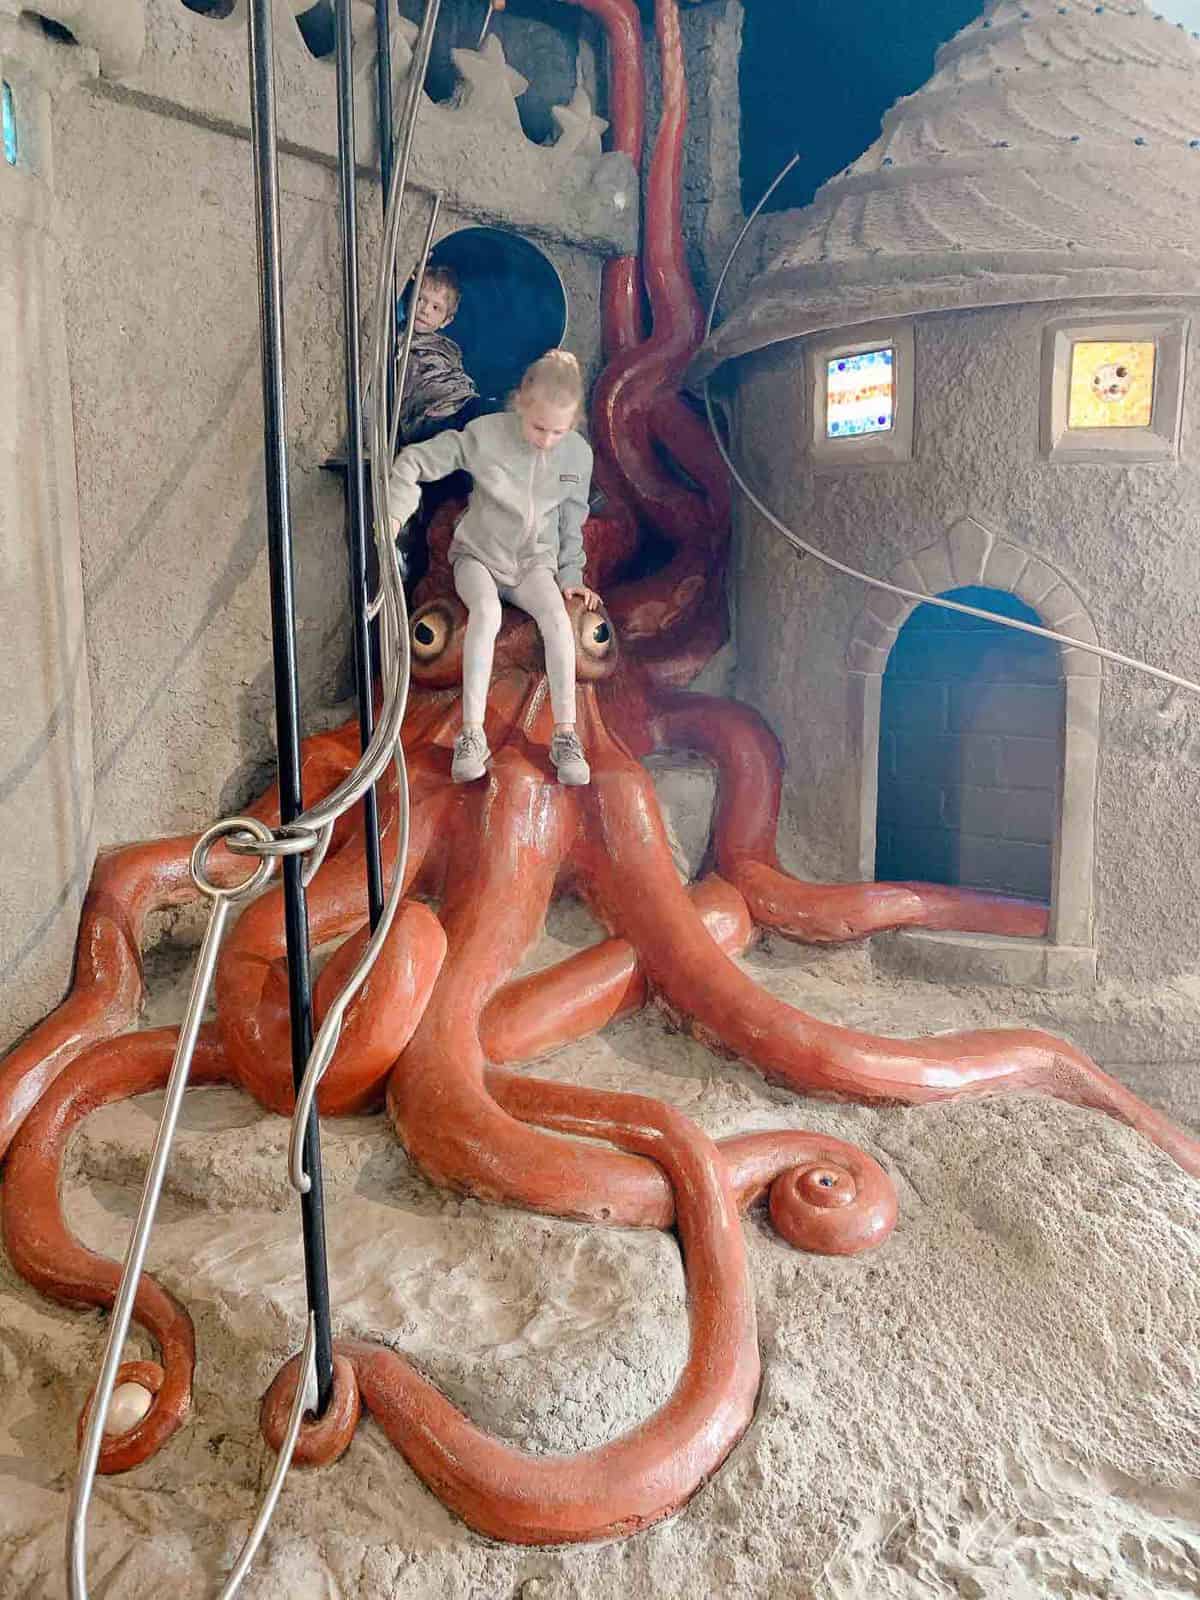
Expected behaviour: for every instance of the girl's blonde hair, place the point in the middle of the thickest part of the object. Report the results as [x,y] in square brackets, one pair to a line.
[555,377]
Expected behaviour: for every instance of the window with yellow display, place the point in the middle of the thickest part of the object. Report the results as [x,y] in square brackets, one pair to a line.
[1112,384]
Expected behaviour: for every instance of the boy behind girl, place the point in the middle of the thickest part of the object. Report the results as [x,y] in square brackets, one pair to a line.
[438,394]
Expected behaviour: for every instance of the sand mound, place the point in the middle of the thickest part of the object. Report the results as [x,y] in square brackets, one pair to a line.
[1001,1402]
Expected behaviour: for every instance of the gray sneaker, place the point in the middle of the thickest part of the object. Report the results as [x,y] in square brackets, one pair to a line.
[471,756]
[566,753]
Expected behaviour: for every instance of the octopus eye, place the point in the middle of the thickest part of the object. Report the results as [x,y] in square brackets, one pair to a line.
[430,635]
[596,636]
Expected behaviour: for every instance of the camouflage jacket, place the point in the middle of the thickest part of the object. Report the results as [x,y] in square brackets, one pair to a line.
[436,384]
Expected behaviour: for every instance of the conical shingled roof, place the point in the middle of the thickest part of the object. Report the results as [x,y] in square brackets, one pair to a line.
[1055,153]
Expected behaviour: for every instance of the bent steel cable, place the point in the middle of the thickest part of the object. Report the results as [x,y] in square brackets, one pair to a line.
[223,900]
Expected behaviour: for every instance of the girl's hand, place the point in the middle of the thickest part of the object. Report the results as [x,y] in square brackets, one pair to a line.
[589,597]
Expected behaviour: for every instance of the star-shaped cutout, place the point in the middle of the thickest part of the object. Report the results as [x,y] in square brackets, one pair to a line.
[580,129]
[488,83]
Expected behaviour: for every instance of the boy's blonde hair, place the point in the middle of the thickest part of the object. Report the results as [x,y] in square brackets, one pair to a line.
[555,377]
[444,278]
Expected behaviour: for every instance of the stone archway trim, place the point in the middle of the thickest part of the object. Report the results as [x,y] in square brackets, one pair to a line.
[969,553]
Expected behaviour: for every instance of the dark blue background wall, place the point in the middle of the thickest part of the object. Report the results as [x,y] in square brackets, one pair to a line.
[818,75]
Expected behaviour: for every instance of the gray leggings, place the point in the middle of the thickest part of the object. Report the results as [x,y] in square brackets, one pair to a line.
[540,596]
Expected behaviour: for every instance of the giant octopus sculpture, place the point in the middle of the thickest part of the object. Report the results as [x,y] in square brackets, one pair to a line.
[442,1020]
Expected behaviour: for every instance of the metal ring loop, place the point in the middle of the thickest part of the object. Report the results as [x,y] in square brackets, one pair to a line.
[222,830]
[292,840]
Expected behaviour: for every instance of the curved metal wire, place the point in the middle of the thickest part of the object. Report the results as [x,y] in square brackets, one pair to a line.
[223,901]
[807,549]
[396,659]
[305,1399]
[410,326]
[326,1041]
[378,753]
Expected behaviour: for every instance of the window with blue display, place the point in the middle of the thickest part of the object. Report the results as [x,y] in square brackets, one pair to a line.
[860,394]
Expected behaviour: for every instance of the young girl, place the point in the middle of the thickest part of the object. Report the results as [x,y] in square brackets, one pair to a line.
[520,540]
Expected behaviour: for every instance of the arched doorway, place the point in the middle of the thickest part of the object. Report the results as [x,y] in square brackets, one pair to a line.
[971,732]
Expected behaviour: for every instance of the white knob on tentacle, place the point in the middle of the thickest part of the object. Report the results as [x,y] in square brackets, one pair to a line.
[129,1404]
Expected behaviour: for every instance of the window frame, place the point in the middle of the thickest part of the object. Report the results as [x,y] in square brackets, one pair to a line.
[859,449]
[1160,441]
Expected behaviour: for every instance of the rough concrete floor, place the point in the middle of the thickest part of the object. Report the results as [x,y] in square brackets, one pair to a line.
[1002,1402]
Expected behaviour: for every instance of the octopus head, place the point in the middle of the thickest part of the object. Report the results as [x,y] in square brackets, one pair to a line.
[438,630]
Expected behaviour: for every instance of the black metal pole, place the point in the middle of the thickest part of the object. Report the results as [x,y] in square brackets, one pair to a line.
[383,79]
[383,75]
[355,478]
[283,637]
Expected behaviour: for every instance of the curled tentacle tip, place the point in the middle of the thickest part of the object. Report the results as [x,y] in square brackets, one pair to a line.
[833,1210]
[126,1443]
[321,1439]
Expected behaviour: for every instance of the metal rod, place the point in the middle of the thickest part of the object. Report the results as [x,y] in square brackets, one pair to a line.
[410,326]
[395,660]
[385,332]
[283,636]
[139,1238]
[383,80]
[355,479]
[135,1256]
[373,761]
[412,99]
[305,1399]
[331,1027]
[487,23]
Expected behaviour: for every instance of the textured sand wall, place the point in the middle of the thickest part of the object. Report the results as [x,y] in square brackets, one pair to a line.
[46,801]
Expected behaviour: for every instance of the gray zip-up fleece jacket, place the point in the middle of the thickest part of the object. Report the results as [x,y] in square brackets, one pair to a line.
[527,508]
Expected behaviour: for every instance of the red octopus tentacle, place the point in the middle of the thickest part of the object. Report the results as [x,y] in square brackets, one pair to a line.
[515,832]
[128,884]
[47,1254]
[252,986]
[723,1005]
[639,416]
[646,1474]
[621,293]
[106,987]
[583,994]
[826,1196]
[455,1113]
[750,776]
[674,303]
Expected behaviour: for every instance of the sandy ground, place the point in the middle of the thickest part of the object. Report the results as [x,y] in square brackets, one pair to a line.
[1003,1401]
